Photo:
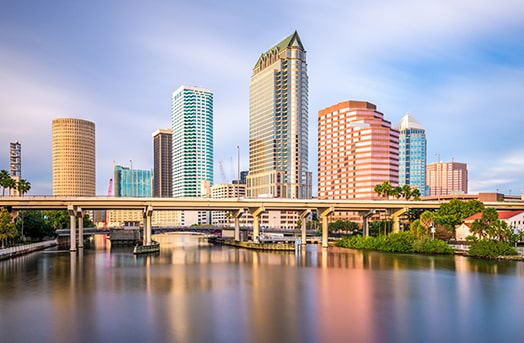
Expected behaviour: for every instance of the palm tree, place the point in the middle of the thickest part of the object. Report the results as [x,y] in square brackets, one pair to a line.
[384,189]
[406,191]
[10,184]
[4,177]
[23,186]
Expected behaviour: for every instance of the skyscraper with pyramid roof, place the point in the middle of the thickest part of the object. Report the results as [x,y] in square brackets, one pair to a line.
[278,123]
[412,152]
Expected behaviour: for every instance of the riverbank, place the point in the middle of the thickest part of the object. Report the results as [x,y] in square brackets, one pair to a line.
[25,249]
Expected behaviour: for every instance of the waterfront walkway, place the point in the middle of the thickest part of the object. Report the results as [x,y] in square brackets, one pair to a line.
[25,249]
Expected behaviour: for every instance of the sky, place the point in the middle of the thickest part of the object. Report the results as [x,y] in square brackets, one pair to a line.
[456,65]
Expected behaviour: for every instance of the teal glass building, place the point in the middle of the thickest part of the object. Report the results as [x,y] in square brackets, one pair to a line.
[192,141]
[131,182]
[412,148]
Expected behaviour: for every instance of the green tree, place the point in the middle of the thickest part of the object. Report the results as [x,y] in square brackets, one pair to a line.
[484,227]
[7,227]
[5,180]
[417,228]
[34,225]
[457,210]
[23,186]
[57,219]
[385,189]
[342,226]
[427,219]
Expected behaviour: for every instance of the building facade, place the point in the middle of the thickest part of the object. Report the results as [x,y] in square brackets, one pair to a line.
[192,148]
[192,140]
[74,157]
[225,191]
[131,182]
[278,123]
[357,149]
[412,151]
[447,178]
[162,164]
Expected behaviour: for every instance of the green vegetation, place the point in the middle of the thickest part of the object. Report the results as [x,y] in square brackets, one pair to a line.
[406,192]
[400,242]
[340,225]
[7,227]
[489,249]
[6,182]
[32,224]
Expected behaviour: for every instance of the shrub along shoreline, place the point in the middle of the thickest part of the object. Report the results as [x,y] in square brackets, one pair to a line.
[399,242]
[408,243]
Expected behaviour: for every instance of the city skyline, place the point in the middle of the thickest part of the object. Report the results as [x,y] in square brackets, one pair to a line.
[460,75]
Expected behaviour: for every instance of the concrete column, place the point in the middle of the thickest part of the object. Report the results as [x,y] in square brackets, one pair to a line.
[256,212]
[72,229]
[365,226]
[236,217]
[80,227]
[395,216]
[303,217]
[148,213]
[324,213]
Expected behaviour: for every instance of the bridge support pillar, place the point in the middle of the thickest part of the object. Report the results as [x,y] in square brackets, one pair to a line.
[324,213]
[303,217]
[148,214]
[72,221]
[256,212]
[395,216]
[236,217]
[365,225]
[80,227]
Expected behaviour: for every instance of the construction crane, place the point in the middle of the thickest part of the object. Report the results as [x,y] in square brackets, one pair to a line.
[222,174]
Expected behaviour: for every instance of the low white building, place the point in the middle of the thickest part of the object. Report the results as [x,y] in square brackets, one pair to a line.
[514,219]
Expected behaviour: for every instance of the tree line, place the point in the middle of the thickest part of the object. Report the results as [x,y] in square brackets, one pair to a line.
[7,182]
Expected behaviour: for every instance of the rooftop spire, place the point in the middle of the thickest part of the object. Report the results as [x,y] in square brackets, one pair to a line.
[408,122]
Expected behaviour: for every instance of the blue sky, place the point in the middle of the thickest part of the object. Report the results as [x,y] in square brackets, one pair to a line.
[456,66]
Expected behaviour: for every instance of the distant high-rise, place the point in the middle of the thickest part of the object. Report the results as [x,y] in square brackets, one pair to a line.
[15,154]
[162,163]
[15,163]
[74,161]
[447,178]
[278,123]
[412,153]
[192,140]
[131,182]
[357,149]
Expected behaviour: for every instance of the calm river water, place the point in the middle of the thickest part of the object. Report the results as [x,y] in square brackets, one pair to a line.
[194,292]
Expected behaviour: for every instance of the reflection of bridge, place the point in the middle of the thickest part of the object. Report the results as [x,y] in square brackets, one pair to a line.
[365,208]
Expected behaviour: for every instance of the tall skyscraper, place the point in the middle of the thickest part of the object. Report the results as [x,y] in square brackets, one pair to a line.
[447,178]
[74,162]
[131,182]
[192,138]
[412,153]
[162,163]
[278,123]
[357,149]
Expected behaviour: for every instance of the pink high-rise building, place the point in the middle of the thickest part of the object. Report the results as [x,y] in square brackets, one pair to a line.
[446,178]
[357,149]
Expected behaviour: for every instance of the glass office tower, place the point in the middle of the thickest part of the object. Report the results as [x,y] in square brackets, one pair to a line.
[412,154]
[192,141]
